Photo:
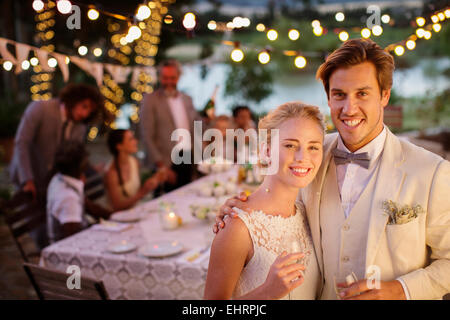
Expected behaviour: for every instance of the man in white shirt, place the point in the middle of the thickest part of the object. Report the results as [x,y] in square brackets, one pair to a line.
[66,203]
[400,251]
[161,113]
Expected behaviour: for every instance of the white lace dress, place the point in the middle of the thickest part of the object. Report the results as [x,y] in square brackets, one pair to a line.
[267,233]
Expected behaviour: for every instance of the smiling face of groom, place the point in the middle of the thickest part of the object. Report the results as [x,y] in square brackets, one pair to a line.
[357,78]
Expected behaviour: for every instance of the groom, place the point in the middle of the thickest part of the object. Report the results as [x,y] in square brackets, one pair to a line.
[364,166]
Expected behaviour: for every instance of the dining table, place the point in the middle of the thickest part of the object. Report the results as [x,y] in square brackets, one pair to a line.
[132,275]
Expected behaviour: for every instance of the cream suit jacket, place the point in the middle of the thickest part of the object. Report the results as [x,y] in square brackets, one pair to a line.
[418,252]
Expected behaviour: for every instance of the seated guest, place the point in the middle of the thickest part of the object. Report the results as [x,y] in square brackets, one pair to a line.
[242,117]
[65,196]
[122,179]
[222,123]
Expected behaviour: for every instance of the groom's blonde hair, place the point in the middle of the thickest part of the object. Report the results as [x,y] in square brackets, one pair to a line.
[290,110]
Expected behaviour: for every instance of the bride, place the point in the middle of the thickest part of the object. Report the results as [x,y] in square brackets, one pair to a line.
[250,258]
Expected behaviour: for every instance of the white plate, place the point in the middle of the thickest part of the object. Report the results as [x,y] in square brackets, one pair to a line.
[121,247]
[160,249]
[127,216]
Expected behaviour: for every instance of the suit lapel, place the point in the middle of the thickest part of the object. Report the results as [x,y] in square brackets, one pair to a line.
[388,184]
[312,197]
[164,108]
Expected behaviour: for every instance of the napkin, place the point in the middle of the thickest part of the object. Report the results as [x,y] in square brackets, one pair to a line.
[111,226]
[196,255]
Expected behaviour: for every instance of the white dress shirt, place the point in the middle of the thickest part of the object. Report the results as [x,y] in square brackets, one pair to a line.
[353,178]
[65,203]
[180,118]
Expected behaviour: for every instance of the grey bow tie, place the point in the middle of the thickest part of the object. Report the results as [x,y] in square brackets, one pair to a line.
[343,157]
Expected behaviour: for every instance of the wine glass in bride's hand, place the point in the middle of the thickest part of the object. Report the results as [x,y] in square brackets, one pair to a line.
[292,244]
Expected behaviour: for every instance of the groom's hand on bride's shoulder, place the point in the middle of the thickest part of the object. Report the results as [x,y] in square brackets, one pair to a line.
[226,209]
[388,290]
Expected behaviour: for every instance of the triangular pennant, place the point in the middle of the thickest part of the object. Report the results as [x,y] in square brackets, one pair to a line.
[118,73]
[22,51]
[62,65]
[94,69]
[42,55]
[4,51]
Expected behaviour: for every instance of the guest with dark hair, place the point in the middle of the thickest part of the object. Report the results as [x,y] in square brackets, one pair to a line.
[65,195]
[44,126]
[242,117]
[122,179]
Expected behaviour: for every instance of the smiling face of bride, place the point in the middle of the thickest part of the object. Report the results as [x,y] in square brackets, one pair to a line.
[300,151]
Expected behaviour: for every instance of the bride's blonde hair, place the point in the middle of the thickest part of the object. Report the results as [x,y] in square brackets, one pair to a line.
[289,110]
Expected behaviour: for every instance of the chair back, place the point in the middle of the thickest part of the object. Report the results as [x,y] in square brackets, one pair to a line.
[52,285]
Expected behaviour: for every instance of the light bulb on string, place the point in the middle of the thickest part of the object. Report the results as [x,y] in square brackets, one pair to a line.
[64,6]
[377,30]
[300,62]
[143,12]
[189,21]
[237,55]
[420,33]
[93,14]
[260,27]
[272,35]
[410,44]
[343,36]
[212,25]
[420,21]
[399,50]
[34,61]
[340,16]
[7,65]
[365,33]
[52,62]
[38,5]
[83,50]
[25,65]
[385,18]
[293,34]
[437,27]
[318,31]
[134,33]
[264,57]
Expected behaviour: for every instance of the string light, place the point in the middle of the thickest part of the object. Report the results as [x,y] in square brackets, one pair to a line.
[189,21]
[93,14]
[365,33]
[34,61]
[315,24]
[82,51]
[435,19]
[399,50]
[318,31]
[25,65]
[441,16]
[420,32]
[377,30]
[410,44]
[300,62]
[168,19]
[293,34]
[272,35]
[420,21]
[64,6]
[437,27]
[52,62]
[385,18]
[97,52]
[212,25]
[427,35]
[143,12]
[7,65]
[237,55]
[134,33]
[339,16]
[38,5]
[343,36]
[260,27]
[264,57]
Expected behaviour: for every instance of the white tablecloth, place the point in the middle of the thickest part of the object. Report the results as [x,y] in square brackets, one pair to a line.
[131,276]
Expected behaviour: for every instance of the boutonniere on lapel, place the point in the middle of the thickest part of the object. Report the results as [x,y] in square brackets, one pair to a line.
[401,214]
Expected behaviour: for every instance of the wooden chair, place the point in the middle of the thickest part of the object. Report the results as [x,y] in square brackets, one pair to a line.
[23,215]
[52,285]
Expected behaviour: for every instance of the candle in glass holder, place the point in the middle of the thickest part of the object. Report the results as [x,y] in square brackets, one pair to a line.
[169,220]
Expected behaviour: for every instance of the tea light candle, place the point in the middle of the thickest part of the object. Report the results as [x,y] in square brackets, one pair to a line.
[170,221]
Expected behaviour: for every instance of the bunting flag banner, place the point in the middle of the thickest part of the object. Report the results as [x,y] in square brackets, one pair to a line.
[95,69]
[118,73]
[22,51]
[63,66]
[42,56]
